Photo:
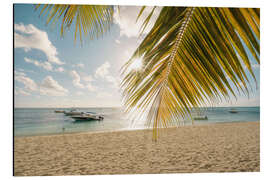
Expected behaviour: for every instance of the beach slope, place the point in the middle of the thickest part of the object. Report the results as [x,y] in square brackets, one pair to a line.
[223,147]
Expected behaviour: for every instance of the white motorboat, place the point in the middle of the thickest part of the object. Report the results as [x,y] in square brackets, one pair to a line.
[200,117]
[89,116]
[73,112]
[200,114]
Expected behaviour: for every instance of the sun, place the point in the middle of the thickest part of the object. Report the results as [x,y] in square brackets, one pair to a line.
[137,64]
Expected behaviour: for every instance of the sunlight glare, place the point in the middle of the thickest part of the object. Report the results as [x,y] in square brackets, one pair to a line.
[137,64]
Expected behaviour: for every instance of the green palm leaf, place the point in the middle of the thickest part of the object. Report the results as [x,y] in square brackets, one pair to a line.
[90,20]
[186,57]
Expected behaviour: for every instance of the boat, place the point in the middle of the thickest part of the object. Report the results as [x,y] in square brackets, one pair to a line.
[59,111]
[233,111]
[88,117]
[200,114]
[200,117]
[73,112]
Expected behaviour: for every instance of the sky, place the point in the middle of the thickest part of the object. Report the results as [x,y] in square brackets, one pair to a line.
[54,71]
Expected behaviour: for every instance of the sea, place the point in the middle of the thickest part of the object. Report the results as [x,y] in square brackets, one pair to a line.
[44,121]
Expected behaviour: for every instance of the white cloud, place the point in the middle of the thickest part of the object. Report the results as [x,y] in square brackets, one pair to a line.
[24,70]
[19,73]
[112,80]
[104,73]
[60,69]
[51,87]
[46,65]
[103,70]
[20,91]
[91,88]
[126,20]
[29,37]
[88,78]
[76,79]
[28,83]
[117,41]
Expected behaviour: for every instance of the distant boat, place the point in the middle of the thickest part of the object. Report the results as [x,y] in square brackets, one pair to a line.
[233,111]
[73,112]
[200,115]
[59,111]
[88,117]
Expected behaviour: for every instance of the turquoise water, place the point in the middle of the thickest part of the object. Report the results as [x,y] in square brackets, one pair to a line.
[41,121]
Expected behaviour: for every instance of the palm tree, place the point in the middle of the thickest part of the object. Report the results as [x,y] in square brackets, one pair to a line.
[191,57]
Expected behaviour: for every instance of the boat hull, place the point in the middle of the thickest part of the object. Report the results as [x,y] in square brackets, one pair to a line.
[200,118]
[59,111]
[72,113]
[80,118]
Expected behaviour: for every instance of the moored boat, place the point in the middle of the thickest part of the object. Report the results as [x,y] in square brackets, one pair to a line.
[233,111]
[200,117]
[87,117]
[73,112]
[200,114]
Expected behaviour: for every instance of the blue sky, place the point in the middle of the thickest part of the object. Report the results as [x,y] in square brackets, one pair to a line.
[51,71]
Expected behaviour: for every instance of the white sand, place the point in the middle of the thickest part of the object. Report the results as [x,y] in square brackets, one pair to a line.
[223,147]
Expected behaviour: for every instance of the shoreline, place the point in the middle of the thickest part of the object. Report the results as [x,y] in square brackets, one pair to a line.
[124,130]
[219,147]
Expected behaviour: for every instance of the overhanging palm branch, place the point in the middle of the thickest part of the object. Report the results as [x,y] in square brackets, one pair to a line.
[188,57]
[90,20]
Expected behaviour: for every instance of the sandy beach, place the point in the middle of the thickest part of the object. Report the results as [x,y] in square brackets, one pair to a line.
[223,147]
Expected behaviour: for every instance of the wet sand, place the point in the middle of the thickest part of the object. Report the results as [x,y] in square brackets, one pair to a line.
[223,147]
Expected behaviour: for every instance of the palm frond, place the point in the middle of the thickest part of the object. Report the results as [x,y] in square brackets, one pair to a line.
[189,56]
[90,20]
[147,19]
